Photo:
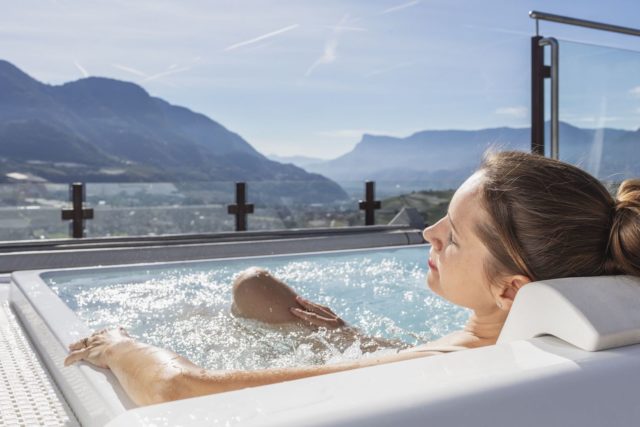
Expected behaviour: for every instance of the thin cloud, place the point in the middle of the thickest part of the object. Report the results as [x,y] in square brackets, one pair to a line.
[262,37]
[345,28]
[81,68]
[635,91]
[400,7]
[166,73]
[517,112]
[329,54]
[130,70]
[171,69]
[388,69]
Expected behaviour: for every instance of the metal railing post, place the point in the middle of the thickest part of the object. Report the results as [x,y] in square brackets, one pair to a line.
[77,214]
[555,94]
[369,204]
[241,209]
[538,73]
[534,14]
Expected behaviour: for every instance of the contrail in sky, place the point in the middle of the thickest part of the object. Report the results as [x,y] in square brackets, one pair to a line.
[130,70]
[329,53]
[400,7]
[262,37]
[343,28]
[172,69]
[166,73]
[388,69]
[81,68]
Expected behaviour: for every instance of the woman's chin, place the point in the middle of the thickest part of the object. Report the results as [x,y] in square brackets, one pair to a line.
[432,282]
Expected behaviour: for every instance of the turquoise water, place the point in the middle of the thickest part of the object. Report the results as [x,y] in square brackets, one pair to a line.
[185,307]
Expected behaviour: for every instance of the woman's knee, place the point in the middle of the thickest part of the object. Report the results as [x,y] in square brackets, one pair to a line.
[259,295]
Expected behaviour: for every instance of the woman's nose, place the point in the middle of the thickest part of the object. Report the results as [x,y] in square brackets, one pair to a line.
[429,234]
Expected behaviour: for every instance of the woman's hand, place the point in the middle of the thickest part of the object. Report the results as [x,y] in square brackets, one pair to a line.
[96,348]
[316,314]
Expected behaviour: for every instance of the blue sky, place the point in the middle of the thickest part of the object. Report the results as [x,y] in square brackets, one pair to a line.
[304,77]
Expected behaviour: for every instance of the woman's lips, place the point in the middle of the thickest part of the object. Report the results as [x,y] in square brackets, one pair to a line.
[432,265]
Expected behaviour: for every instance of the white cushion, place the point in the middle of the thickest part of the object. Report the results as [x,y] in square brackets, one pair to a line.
[592,313]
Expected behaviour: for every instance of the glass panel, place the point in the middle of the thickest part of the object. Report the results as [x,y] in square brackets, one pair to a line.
[32,211]
[276,208]
[600,110]
[430,204]
[297,204]
[137,209]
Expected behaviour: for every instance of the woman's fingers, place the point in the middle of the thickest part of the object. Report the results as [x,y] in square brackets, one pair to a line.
[323,314]
[93,348]
[75,346]
[309,316]
[328,310]
[316,319]
[76,356]
[78,345]
[315,308]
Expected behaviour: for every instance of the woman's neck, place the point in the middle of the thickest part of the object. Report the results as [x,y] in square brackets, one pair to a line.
[484,328]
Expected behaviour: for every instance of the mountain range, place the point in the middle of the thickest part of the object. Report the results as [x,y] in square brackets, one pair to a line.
[99,129]
[441,159]
[104,130]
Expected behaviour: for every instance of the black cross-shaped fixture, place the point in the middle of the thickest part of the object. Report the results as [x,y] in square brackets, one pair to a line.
[369,204]
[77,214]
[241,208]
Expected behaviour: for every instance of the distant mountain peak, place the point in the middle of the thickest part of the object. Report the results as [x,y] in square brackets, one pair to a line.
[110,91]
[107,83]
[7,68]
[12,77]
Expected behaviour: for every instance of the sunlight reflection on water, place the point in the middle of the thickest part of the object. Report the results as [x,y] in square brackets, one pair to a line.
[185,307]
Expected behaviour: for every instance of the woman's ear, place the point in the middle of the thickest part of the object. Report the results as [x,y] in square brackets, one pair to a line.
[510,289]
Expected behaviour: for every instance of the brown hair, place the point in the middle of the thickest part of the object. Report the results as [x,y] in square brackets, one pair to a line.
[549,219]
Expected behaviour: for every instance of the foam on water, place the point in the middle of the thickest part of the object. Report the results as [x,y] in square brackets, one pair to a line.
[185,307]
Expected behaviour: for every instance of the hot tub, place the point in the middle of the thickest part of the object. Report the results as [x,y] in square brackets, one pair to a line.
[529,378]
[184,306]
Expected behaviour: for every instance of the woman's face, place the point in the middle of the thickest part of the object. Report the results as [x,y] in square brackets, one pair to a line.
[457,256]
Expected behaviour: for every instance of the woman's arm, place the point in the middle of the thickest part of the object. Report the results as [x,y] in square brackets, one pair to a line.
[320,315]
[152,375]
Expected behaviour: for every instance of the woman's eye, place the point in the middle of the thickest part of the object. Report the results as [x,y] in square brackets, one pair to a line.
[450,240]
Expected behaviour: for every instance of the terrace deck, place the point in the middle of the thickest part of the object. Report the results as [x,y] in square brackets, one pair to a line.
[28,395]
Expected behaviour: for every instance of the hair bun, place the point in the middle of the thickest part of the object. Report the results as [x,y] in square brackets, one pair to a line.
[624,241]
[628,194]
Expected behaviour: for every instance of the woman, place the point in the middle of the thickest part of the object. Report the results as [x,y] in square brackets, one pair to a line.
[518,219]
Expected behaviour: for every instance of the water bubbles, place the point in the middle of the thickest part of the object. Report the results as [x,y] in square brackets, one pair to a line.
[185,307]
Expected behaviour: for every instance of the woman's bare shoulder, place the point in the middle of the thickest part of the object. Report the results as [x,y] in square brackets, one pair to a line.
[454,341]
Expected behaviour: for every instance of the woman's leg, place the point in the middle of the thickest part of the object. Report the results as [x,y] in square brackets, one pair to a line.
[260,296]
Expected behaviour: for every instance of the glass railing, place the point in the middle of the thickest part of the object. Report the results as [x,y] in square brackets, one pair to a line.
[600,110]
[441,128]
[151,209]
[33,210]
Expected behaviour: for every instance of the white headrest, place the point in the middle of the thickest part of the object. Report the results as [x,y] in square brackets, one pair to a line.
[592,313]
